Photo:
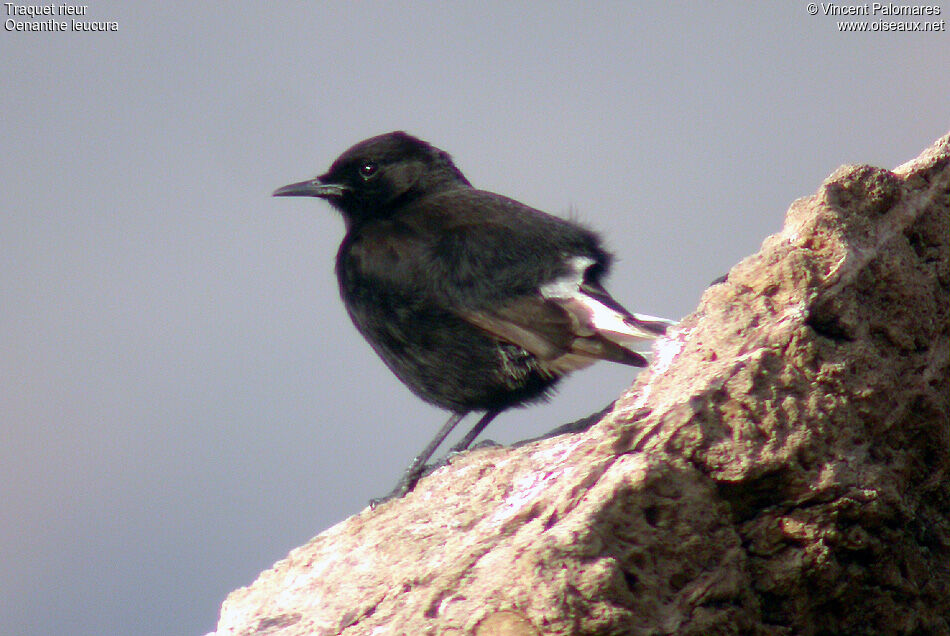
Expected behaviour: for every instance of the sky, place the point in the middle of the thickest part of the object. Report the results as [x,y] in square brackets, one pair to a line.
[183,399]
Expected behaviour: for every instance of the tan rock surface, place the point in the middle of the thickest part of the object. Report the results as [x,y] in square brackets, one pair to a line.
[781,468]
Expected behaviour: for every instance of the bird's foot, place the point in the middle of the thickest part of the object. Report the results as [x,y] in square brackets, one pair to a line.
[411,477]
[403,487]
[457,449]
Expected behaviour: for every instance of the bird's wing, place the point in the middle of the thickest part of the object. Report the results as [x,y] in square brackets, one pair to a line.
[484,247]
[571,321]
[527,278]
[561,338]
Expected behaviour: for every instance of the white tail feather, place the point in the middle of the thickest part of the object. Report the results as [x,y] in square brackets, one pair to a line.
[594,316]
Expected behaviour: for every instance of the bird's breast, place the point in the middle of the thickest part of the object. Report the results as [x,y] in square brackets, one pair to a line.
[383,258]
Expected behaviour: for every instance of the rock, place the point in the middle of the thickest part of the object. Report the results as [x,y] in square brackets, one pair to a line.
[781,468]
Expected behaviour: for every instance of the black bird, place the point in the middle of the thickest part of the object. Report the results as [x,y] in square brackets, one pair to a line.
[475,301]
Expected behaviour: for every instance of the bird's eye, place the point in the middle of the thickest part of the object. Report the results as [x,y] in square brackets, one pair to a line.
[368,169]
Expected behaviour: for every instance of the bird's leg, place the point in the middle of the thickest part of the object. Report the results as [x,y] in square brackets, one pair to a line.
[415,469]
[475,432]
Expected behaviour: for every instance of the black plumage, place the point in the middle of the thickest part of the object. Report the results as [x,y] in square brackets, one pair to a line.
[475,301]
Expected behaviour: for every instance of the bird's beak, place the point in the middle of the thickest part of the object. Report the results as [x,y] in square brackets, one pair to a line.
[313,188]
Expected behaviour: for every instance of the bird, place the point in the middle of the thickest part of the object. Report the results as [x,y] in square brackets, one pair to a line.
[476,302]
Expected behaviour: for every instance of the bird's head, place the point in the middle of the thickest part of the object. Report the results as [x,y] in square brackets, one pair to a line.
[376,177]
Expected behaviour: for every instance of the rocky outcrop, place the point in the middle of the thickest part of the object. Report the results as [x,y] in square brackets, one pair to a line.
[781,468]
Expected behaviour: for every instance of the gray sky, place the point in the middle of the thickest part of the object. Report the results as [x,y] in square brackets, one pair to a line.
[183,398]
